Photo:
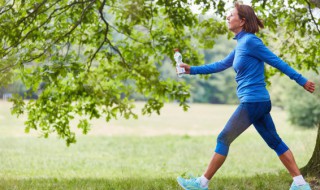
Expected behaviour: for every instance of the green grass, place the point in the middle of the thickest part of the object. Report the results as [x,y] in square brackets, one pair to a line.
[268,182]
[148,153]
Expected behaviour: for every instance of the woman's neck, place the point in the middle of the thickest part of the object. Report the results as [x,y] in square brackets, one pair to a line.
[237,31]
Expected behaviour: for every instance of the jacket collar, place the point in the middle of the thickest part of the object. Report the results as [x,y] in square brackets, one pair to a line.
[239,35]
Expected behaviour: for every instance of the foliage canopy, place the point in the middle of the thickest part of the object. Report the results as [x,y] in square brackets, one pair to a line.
[92,55]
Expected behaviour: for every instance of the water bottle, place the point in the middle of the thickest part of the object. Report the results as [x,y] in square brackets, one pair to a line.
[178,59]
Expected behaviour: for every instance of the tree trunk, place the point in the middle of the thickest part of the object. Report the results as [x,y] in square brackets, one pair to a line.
[313,166]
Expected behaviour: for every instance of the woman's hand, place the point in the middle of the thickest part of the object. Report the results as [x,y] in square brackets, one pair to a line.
[186,68]
[309,86]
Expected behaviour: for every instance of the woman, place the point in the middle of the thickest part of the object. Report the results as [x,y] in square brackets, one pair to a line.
[248,59]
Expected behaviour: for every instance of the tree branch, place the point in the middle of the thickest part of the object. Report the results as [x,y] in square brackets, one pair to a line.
[66,34]
[9,7]
[264,4]
[37,6]
[127,35]
[7,68]
[32,30]
[105,34]
[107,40]
[151,25]
[65,8]
[68,47]
[312,17]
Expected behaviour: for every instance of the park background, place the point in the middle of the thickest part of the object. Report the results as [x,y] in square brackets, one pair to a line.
[151,151]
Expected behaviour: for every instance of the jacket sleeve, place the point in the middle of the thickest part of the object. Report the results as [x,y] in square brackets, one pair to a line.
[258,50]
[213,67]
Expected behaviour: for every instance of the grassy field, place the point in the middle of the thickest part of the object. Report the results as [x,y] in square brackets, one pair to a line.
[148,153]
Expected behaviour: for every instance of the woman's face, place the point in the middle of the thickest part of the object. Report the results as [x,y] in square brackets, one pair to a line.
[235,24]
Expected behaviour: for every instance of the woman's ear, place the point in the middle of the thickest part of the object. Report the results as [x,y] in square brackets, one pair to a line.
[242,22]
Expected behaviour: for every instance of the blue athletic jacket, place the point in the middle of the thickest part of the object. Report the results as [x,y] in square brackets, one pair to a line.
[248,59]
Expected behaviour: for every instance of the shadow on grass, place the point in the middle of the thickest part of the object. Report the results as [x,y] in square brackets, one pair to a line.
[281,181]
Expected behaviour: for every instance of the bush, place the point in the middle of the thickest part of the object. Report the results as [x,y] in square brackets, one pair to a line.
[304,107]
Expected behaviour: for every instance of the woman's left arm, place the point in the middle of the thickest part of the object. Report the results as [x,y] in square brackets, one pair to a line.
[259,50]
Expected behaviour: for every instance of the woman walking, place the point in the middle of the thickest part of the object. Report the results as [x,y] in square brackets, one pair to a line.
[248,59]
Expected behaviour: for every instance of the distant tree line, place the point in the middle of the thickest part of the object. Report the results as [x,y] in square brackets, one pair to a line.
[218,88]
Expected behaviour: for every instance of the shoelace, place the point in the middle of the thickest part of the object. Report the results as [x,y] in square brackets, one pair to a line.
[191,176]
[193,180]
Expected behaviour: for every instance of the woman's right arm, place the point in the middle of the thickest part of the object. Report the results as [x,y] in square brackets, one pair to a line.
[210,68]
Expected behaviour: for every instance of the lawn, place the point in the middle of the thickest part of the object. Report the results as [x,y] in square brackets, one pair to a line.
[148,153]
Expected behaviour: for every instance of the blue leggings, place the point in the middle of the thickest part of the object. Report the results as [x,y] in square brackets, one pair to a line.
[247,113]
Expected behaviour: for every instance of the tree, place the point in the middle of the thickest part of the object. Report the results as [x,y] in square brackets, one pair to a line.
[306,113]
[93,54]
[312,167]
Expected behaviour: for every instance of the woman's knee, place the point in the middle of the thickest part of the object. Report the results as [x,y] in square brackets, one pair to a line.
[222,144]
[224,138]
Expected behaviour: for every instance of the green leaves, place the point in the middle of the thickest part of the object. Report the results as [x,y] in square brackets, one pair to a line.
[297,31]
[92,55]
[18,105]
